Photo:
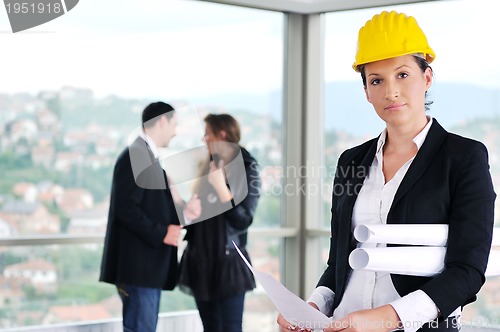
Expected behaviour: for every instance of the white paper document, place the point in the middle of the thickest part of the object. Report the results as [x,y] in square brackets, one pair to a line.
[411,234]
[293,308]
[416,261]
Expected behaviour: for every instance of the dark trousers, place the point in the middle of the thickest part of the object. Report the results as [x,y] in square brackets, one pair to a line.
[140,308]
[225,315]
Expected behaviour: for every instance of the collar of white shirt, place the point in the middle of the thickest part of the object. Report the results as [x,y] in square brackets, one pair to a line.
[418,140]
[150,143]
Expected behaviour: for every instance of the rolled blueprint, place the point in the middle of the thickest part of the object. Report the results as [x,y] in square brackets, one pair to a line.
[399,260]
[415,261]
[411,234]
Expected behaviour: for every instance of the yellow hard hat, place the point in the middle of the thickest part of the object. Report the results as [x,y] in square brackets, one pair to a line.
[389,35]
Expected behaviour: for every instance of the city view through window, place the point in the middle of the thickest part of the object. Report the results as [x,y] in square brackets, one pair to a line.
[73,91]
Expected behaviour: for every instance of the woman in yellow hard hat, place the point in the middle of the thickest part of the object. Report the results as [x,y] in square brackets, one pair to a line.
[415,172]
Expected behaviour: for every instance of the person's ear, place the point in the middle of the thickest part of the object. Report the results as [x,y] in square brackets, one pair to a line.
[222,134]
[163,120]
[428,77]
[367,95]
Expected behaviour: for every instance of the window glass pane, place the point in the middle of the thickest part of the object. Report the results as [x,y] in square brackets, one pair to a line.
[260,313]
[466,91]
[53,284]
[71,93]
[56,284]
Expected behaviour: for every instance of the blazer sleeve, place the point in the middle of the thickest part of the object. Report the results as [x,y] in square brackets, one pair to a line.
[241,216]
[470,232]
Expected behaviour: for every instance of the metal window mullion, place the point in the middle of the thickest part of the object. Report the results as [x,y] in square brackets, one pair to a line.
[313,148]
[293,104]
[303,130]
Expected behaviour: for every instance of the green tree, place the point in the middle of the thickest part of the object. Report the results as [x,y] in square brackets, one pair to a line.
[54,104]
[268,211]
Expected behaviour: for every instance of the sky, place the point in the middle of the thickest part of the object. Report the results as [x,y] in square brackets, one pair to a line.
[184,48]
[462,33]
[146,48]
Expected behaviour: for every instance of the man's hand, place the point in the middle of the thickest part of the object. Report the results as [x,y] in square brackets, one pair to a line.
[172,237]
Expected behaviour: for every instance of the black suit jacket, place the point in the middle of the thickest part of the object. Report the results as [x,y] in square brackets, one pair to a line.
[448,182]
[141,209]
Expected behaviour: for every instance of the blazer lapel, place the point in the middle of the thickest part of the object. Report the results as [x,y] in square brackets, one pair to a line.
[360,173]
[425,155]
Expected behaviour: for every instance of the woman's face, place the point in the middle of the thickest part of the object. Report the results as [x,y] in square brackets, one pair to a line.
[396,88]
[211,137]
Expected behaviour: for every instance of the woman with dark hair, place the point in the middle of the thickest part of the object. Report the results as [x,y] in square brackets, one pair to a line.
[415,172]
[211,269]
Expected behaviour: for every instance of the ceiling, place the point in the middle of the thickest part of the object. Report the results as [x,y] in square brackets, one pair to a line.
[314,6]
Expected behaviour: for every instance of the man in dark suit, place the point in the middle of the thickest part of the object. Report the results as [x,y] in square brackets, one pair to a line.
[140,250]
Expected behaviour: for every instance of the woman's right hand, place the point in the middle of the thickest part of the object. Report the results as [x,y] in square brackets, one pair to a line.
[286,326]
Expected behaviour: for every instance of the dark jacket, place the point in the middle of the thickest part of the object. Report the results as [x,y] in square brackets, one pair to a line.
[134,252]
[210,267]
[448,182]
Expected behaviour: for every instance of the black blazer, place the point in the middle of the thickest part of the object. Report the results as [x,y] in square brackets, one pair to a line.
[134,252]
[448,182]
[211,269]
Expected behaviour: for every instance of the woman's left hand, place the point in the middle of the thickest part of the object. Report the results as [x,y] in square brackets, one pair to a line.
[381,319]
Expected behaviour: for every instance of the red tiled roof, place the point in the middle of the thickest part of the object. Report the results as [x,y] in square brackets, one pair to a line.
[80,312]
[38,265]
